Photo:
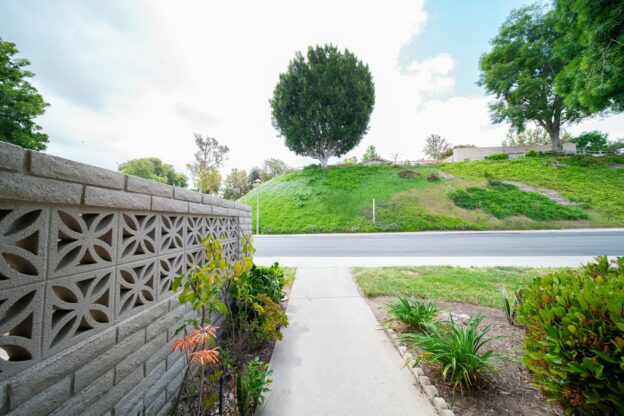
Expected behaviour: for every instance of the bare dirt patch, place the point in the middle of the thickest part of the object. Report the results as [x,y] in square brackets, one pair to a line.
[509,392]
[548,193]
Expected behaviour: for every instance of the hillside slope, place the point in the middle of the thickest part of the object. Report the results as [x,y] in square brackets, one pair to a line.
[340,198]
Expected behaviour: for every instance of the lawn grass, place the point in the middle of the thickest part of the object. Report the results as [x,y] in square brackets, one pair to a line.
[474,285]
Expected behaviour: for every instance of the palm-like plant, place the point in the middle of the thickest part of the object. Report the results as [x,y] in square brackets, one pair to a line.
[415,315]
[458,349]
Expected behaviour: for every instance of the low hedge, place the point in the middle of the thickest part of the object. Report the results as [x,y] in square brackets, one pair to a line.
[497,156]
[575,337]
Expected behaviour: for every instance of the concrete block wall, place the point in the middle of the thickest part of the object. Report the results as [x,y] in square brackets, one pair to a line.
[477,153]
[87,257]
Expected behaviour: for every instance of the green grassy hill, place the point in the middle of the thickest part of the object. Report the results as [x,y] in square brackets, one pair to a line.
[339,199]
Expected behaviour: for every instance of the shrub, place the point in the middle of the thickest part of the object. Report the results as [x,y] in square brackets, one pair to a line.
[458,349]
[269,281]
[532,153]
[270,319]
[575,337]
[408,174]
[415,315]
[433,177]
[497,156]
[510,306]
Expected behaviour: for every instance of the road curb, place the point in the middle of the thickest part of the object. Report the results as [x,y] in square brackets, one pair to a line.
[425,384]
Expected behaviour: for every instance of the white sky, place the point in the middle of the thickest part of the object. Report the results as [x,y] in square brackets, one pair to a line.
[137,79]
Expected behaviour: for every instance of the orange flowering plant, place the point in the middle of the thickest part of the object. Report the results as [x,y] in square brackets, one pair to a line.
[200,351]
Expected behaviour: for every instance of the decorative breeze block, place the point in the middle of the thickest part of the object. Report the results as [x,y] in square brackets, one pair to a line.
[135,288]
[82,240]
[169,267]
[137,236]
[172,233]
[77,307]
[23,244]
[21,311]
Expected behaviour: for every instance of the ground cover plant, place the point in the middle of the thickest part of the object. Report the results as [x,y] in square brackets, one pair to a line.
[575,337]
[593,181]
[504,200]
[228,374]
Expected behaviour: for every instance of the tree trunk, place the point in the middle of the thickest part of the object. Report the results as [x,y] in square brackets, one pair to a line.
[324,159]
[555,139]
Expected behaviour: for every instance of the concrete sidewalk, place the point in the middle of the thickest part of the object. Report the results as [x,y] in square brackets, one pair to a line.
[334,359]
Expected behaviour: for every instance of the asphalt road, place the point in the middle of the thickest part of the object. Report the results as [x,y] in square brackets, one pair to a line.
[431,244]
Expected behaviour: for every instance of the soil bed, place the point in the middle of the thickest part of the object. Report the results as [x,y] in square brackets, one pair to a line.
[509,392]
[264,352]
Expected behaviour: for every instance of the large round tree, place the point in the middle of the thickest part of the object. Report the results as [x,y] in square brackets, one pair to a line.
[322,104]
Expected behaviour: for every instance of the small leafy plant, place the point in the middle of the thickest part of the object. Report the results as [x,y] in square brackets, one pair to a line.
[251,385]
[510,305]
[415,315]
[460,350]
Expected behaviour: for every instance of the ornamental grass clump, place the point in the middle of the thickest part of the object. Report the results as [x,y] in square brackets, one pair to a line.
[575,337]
[414,315]
[458,349]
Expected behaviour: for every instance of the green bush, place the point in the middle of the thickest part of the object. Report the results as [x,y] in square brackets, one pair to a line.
[412,313]
[532,153]
[497,156]
[460,351]
[503,200]
[269,281]
[575,337]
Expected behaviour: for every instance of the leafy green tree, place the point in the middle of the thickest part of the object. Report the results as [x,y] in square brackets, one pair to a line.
[322,104]
[20,102]
[154,169]
[208,159]
[591,140]
[349,160]
[593,80]
[370,153]
[236,184]
[436,147]
[527,55]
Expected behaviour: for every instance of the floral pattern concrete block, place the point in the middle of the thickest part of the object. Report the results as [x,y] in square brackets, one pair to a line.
[23,238]
[82,240]
[138,236]
[77,307]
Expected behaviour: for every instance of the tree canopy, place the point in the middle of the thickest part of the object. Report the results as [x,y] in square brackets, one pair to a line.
[208,159]
[437,147]
[154,169]
[593,80]
[370,153]
[20,103]
[527,54]
[322,104]
[236,184]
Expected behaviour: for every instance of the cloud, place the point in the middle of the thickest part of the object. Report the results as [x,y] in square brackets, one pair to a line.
[432,76]
[137,79]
